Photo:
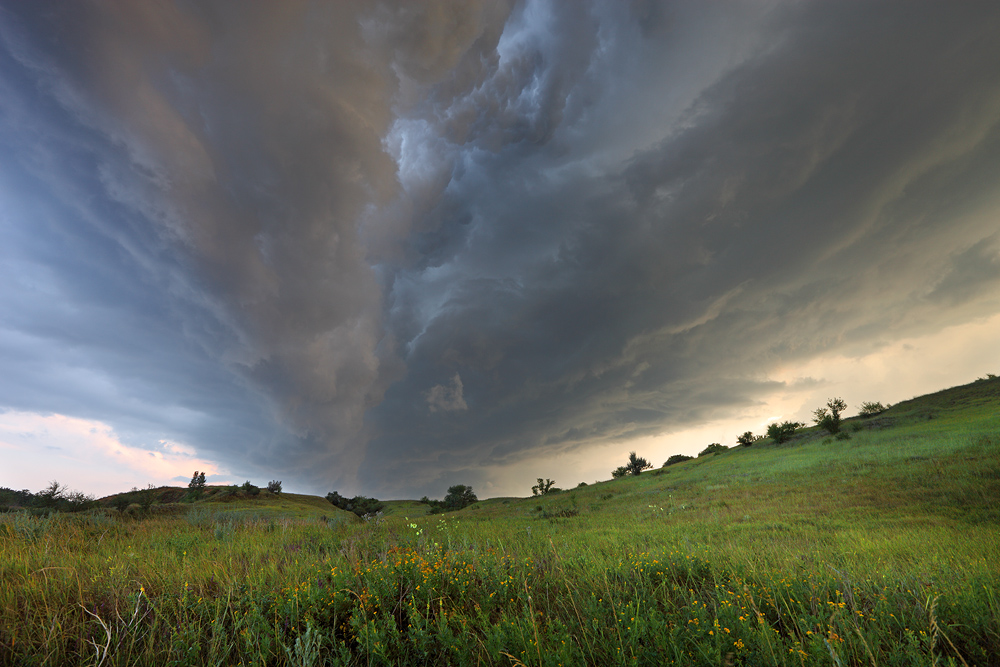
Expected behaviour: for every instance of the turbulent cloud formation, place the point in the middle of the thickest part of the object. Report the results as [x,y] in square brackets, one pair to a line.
[445,398]
[388,247]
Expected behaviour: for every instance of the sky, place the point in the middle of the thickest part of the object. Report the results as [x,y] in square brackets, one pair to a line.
[387,247]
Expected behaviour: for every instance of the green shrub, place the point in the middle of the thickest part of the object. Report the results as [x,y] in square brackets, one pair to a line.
[544,486]
[869,409]
[634,466]
[677,458]
[359,505]
[274,486]
[828,418]
[782,432]
[714,448]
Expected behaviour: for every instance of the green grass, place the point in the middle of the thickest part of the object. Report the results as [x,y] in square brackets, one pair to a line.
[883,549]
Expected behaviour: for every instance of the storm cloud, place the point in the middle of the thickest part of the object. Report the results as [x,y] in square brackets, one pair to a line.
[385,247]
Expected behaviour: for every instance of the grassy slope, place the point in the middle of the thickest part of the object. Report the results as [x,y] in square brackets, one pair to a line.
[878,549]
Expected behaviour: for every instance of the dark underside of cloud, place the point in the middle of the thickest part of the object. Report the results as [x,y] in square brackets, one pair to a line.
[389,248]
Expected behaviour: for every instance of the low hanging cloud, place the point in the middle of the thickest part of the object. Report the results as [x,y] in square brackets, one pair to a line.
[305,238]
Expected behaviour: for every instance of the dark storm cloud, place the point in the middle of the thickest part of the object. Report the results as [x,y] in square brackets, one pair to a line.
[806,201]
[417,241]
[223,160]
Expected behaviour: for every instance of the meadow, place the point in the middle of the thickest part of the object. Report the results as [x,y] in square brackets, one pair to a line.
[880,549]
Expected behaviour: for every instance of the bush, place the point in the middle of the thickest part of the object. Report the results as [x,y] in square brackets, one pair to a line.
[747,439]
[714,448]
[634,466]
[677,458]
[544,486]
[828,418]
[782,432]
[249,488]
[274,486]
[869,409]
[360,505]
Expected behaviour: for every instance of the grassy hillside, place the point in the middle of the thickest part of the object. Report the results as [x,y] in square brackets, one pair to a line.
[882,549]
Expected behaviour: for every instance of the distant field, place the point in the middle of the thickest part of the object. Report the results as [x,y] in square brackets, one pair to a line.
[882,549]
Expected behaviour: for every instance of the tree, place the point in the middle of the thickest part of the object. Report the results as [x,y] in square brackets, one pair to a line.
[544,486]
[636,464]
[196,486]
[828,418]
[274,486]
[747,439]
[782,432]
[51,495]
[459,496]
[619,472]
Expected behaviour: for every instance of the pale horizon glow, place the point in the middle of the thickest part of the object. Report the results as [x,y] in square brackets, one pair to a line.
[87,456]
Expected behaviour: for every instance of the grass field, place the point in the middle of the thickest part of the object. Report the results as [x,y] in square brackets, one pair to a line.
[883,549]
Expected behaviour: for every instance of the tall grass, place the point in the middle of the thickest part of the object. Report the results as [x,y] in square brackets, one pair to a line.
[880,550]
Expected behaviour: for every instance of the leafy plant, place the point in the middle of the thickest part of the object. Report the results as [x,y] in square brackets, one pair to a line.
[360,505]
[828,418]
[459,496]
[636,464]
[677,458]
[714,448]
[747,439]
[274,486]
[869,409]
[619,472]
[196,487]
[782,432]
[544,486]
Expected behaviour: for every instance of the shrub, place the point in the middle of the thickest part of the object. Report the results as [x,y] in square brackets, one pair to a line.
[828,418]
[544,486]
[274,486]
[636,464]
[249,488]
[714,448]
[677,458]
[360,505]
[869,409]
[747,439]
[581,484]
[121,502]
[782,432]
[619,472]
